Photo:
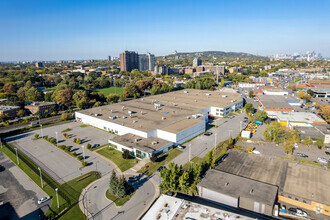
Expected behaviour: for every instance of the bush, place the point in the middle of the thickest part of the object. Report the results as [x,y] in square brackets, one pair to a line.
[74,140]
[84,163]
[74,154]
[89,146]
[66,135]
[68,149]
[78,141]
[52,140]
[64,116]
[45,137]
[126,154]
[62,147]
[80,157]
[36,136]
[153,157]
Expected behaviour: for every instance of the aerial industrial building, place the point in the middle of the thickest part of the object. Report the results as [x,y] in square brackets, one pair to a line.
[174,117]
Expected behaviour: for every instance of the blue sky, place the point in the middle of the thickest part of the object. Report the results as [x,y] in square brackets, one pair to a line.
[72,29]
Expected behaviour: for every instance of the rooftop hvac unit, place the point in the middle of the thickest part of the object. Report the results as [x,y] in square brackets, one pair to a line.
[194,116]
[188,117]
[185,91]
[111,110]
[130,112]
[137,139]
[96,114]
[158,105]
[208,94]
[134,121]
[163,118]
[112,117]
[224,96]
[124,117]
[155,142]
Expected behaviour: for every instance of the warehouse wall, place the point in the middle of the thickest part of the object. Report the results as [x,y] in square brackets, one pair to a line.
[254,206]
[217,197]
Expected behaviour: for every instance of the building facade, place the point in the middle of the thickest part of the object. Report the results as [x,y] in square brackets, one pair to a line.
[197,61]
[129,61]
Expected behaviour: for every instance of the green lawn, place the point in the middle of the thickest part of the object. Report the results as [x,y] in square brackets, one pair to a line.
[118,201]
[72,189]
[75,187]
[151,167]
[110,90]
[116,157]
[193,160]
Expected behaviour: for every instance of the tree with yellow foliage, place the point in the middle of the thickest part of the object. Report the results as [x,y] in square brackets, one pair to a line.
[301,94]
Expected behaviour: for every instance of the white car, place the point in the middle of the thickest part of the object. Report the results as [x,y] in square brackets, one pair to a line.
[256,152]
[180,147]
[322,160]
[44,199]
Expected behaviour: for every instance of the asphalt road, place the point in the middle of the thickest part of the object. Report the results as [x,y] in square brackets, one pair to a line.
[202,144]
[19,193]
[99,207]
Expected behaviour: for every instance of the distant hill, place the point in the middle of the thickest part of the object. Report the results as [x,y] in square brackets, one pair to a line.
[210,54]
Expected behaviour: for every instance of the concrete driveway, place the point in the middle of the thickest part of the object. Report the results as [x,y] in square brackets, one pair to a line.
[202,144]
[19,193]
[99,207]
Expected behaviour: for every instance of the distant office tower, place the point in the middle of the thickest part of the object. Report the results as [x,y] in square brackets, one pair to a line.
[143,62]
[151,62]
[197,61]
[109,58]
[129,61]
[39,64]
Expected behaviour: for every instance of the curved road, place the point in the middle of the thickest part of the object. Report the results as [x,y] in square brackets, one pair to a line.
[99,207]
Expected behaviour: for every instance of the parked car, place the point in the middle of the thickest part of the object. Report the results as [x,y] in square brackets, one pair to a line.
[256,152]
[327,147]
[322,160]
[44,199]
[2,168]
[256,100]
[181,147]
[208,133]
[302,155]
[133,179]
[327,153]
[297,212]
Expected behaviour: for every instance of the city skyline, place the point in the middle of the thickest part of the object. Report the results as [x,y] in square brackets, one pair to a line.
[78,30]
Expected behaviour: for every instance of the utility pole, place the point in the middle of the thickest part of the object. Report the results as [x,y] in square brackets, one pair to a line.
[58,204]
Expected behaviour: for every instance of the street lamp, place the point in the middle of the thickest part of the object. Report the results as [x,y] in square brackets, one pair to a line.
[17,156]
[42,134]
[56,139]
[82,146]
[58,204]
[42,184]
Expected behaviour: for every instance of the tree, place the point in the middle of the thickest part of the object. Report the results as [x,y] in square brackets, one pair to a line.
[9,88]
[21,113]
[130,90]
[288,147]
[260,115]
[325,112]
[64,97]
[21,93]
[80,96]
[307,98]
[32,94]
[300,94]
[249,108]
[126,154]
[210,159]
[121,191]
[273,132]
[251,94]
[222,82]
[113,185]
[319,142]
[307,141]
[310,92]
[184,182]
[64,116]
[113,98]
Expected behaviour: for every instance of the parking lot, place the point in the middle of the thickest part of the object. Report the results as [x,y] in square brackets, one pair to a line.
[59,164]
[19,193]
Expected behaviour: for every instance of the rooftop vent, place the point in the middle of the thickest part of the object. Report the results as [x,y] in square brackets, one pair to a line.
[227,184]
[134,121]
[112,117]
[185,91]
[188,117]
[224,96]
[251,191]
[154,142]
[163,118]
[130,112]
[208,94]
[124,117]
[137,139]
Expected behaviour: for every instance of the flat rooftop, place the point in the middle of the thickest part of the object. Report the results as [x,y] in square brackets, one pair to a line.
[147,145]
[182,125]
[301,180]
[273,101]
[160,111]
[6,108]
[31,103]
[237,186]
[167,207]
[306,117]
[311,183]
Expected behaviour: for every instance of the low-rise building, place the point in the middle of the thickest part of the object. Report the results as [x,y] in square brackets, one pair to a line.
[41,107]
[274,103]
[296,119]
[9,111]
[239,192]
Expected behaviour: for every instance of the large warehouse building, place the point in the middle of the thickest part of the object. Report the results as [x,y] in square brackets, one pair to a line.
[174,117]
